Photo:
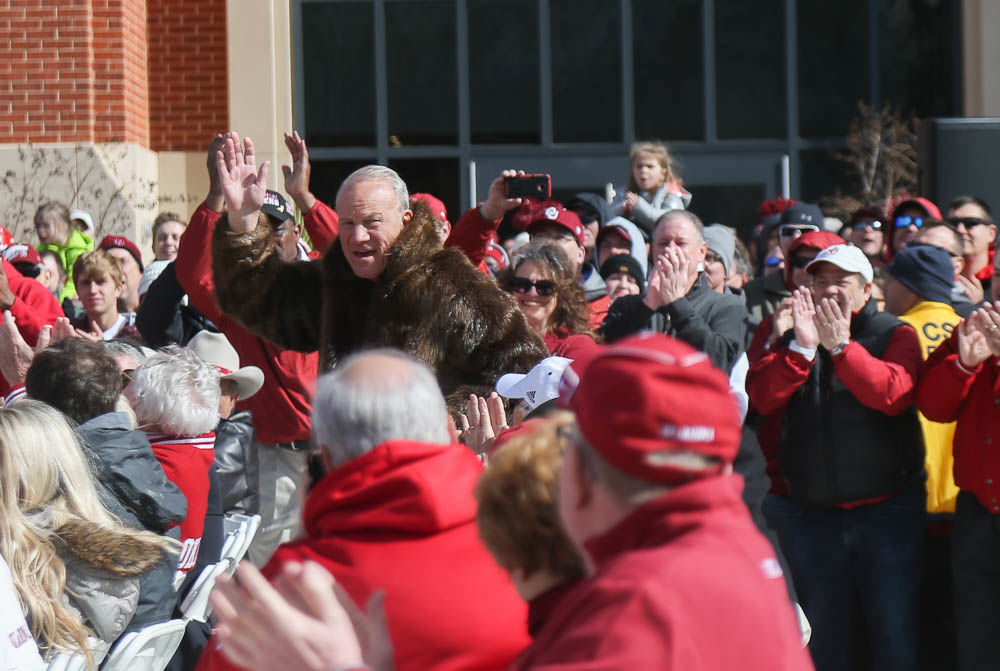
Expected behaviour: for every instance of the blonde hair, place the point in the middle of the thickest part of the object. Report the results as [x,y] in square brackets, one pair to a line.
[659,151]
[98,264]
[44,470]
[517,503]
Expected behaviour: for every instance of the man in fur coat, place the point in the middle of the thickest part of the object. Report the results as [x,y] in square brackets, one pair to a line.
[389,283]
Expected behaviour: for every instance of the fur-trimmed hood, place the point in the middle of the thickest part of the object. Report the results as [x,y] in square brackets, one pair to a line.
[122,552]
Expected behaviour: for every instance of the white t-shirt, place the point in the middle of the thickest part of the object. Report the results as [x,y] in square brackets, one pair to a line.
[18,651]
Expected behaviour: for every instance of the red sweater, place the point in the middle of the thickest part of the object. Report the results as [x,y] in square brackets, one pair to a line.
[947,393]
[186,462]
[403,518]
[282,407]
[569,345]
[685,582]
[472,234]
[886,384]
[34,306]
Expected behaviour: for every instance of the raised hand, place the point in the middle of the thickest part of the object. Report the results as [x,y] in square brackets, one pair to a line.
[15,354]
[631,200]
[833,321]
[62,329]
[973,349]
[483,421]
[216,199]
[497,203]
[243,183]
[804,319]
[989,324]
[672,267]
[782,321]
[972,288]
[297,174]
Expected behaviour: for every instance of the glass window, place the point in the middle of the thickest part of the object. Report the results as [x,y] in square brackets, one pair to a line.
[822,175]
[668,69]
[750,68]
[436,176]
[338,62]
[733,205]
[503,72]
[918,56]
[833,65]
[585,44]
[422,74]
[327,176]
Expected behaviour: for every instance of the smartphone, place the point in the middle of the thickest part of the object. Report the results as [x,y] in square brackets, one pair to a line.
[529,186]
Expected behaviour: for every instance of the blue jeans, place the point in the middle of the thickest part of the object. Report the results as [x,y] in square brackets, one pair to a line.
[862,560]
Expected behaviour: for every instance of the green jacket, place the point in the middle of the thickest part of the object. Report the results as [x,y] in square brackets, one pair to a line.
[78,244]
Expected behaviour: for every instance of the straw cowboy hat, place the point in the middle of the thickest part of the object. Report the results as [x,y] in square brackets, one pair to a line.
[214,349]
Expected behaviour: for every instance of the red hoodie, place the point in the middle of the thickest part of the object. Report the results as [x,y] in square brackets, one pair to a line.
[686,582]
[34,307]
[403,518]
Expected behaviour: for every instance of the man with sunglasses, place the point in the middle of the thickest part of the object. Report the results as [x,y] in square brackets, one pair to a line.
[866,231]
[907,219]
[764,294]
[973,218]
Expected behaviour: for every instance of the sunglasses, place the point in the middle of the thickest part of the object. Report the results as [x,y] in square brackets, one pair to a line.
[789,230]
[801,262]
[968,222]
[860,225]
[522,285]
[773,261]
[905,222]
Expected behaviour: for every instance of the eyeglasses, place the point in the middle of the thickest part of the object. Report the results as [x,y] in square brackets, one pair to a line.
[859,225]
[522,285]
[968,222]
[905,222]
[801,262]
[792,230]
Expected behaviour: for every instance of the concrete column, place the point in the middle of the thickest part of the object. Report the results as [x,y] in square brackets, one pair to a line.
[980,55]
[260,77]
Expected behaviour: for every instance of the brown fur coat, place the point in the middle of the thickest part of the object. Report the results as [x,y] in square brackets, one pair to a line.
[429,302]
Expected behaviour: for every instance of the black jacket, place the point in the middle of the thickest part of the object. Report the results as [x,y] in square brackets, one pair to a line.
[132,485]
[708,321]
[237,464]
[163,319]
[836,450]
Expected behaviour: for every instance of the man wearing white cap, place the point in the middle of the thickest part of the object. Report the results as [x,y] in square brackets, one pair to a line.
[235,457]
[844,379]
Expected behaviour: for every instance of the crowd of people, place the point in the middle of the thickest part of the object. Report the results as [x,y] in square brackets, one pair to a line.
[621,438]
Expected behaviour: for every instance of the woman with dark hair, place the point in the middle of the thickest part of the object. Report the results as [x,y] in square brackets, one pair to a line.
[543,284]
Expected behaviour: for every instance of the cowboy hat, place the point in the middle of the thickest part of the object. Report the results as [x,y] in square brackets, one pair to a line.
[215,349]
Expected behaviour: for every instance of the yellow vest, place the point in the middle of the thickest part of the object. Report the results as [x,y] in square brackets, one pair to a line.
[934,323]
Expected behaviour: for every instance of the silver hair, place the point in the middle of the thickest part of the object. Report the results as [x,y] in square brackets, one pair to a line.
[175,392]
[699,227]
[357,409]
[379,173]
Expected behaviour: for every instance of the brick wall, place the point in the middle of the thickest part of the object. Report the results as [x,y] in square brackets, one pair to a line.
[152,73]
[188,86]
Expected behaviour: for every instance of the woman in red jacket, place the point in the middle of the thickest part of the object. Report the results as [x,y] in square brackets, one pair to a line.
[544,286]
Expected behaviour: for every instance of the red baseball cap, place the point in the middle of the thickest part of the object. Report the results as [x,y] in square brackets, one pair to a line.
[648,395]
[552,212]
[22,253]
[120,241]
[437,207]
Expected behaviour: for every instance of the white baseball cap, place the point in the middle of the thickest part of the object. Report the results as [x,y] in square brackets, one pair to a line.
[845,257]
[539,385]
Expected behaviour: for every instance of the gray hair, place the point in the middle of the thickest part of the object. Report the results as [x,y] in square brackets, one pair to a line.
[373,397]
[175,392]
[379,173]
[699,227]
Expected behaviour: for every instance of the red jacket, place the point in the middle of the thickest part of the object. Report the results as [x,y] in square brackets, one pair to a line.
[947,393]
[685,582]
[599,310]
[186,462]
[34,306]
[282,407]
[569,345]
[403,518]
[472,234]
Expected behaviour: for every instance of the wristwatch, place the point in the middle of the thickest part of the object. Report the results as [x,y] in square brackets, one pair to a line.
[839,348]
